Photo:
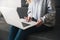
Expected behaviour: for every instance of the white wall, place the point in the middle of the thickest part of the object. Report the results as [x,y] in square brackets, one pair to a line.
[10,3]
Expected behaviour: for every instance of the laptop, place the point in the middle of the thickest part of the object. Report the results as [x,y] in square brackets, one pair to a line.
[11,17]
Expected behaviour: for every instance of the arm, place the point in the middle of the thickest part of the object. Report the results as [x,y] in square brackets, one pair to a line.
[49,18]
[29,10]
[29,17]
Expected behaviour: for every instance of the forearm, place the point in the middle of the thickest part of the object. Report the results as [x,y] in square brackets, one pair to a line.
[49,19]
[29,10]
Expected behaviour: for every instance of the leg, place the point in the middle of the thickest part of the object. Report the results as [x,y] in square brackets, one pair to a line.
[23,34]
[12,32]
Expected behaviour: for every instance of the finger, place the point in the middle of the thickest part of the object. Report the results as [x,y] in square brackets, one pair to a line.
[26,18]
[38,24]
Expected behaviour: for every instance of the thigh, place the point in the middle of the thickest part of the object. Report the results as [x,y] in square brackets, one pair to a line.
[23,34]
[35,29]
[12,32]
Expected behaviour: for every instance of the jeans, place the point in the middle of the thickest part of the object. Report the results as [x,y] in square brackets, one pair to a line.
[19,34]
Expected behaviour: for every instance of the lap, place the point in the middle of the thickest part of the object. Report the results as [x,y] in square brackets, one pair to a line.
[19,33]
[29,30]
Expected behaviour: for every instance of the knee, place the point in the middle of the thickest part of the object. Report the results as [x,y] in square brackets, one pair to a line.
[21,34]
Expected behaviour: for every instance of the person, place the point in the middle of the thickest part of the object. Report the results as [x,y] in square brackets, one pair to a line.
[41,10]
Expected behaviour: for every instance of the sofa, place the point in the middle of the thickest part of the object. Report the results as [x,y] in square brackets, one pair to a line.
[46,34]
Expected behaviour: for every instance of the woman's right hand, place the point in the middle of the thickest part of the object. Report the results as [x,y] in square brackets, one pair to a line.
[28,19]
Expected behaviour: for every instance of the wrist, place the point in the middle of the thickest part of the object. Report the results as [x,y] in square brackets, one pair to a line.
[43,19]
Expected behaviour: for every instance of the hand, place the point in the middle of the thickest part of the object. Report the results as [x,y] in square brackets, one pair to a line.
[39,23]
[28,19]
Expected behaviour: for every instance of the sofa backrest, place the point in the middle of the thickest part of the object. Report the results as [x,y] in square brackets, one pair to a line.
[57,12]
[23,3]
[22,12]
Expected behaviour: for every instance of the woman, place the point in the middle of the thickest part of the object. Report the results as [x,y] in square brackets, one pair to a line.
[34,12]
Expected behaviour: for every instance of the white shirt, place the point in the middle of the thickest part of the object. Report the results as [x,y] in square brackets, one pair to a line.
[34,9]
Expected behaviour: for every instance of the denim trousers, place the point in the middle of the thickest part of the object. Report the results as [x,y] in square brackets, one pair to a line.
[19,34]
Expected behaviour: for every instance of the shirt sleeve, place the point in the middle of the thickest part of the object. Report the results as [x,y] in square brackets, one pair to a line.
[29,10]
[49,18]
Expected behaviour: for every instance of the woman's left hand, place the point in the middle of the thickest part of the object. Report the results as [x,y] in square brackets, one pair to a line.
[39,23]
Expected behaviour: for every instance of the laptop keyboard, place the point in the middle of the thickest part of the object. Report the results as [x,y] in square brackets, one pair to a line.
[25,24]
